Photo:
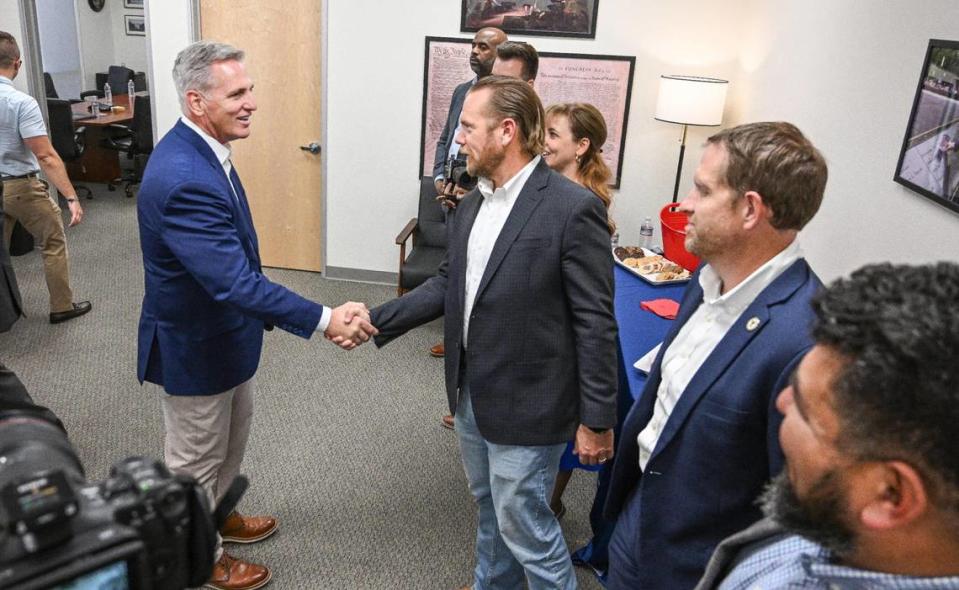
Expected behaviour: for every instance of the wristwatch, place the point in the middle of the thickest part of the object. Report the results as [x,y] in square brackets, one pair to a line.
[70,199]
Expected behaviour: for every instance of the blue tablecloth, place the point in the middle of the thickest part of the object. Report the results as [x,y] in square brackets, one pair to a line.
[639,330]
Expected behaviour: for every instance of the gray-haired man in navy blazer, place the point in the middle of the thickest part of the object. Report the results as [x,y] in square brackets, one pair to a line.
[527,291]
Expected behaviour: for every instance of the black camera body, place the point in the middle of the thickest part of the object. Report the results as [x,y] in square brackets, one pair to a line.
[141,528]
[457,174]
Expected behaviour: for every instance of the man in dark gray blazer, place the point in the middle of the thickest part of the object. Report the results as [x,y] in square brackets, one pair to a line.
[527,292]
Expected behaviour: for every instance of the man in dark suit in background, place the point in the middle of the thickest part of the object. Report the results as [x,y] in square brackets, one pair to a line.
[206,300]
[482,56]
[701,441]
[517,59]
[527,293]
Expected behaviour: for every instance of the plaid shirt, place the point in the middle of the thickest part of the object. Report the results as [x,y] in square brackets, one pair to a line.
[795,562]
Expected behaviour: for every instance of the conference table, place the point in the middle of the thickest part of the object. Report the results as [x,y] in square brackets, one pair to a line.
[98,163]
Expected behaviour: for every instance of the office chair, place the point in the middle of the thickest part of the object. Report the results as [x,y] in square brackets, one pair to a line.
[140,81]
[428,233]
[68,142]
[49,88]
[136,141]
[117,78]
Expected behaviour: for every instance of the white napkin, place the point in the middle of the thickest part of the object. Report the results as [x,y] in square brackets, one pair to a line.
[645,364]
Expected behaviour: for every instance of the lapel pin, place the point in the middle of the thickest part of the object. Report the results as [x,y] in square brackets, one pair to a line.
[752,324]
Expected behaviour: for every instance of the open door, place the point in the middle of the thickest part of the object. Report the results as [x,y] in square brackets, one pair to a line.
[281,173]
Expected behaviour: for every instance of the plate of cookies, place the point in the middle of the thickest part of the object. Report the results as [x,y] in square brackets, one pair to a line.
[649,266]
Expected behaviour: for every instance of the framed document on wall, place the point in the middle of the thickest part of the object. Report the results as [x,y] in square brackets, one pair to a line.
[605,81]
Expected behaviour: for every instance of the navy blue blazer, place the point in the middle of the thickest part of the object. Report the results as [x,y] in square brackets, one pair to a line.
[206,300]
[721,443]
[541,355]
[448,136]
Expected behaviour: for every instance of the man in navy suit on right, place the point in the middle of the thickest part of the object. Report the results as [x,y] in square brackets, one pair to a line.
[701,441]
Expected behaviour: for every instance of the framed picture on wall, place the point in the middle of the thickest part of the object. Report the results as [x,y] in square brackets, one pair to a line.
[549,18]
[605,81]
[929,158]
[135,25]
[133,4]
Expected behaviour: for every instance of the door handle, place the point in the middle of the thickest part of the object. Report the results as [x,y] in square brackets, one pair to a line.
[314,148]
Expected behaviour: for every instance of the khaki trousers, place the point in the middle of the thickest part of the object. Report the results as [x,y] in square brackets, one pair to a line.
[28,201]
[206,437]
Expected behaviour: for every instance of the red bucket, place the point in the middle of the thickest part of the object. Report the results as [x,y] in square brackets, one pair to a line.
[674,236]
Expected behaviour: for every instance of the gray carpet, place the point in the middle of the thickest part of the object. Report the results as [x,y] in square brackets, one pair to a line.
[347,448]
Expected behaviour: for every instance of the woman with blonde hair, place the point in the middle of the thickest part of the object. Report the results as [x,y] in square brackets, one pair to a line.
[575,134]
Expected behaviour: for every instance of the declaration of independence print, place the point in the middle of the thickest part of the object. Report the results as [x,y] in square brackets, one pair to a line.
[603,80]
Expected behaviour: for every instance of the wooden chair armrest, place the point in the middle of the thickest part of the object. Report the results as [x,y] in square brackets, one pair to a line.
[406,232]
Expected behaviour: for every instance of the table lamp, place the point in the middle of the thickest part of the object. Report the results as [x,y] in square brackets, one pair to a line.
[690,100]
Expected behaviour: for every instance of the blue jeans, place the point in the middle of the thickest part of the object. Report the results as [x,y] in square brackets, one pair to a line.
[517,538]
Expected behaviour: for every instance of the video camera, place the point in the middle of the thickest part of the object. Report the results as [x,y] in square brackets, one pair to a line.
[142,528]
[456,173]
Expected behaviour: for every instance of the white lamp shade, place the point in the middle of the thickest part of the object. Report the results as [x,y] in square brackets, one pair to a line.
[691,100]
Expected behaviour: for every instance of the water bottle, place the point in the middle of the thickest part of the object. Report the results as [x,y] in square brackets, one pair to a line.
[131,90]
[107,95]
[646,233]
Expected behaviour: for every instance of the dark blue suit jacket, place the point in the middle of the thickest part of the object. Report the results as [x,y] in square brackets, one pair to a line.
[720,445]
[206,300]
[448,136]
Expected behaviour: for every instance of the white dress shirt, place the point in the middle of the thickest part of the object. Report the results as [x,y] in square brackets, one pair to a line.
[700,335]
[489,222]
[222,153]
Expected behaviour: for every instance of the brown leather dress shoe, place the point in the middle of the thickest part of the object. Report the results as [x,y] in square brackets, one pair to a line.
[438,351]
[448,422]
[247,529]
[230,573]
[78,310]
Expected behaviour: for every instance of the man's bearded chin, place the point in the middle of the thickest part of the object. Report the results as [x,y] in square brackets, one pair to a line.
[819,517]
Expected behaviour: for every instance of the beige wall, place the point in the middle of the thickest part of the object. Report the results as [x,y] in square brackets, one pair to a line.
[846,73]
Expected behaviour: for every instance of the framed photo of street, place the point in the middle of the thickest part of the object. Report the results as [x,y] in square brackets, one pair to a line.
[929,158]
[542,18]
[605,81]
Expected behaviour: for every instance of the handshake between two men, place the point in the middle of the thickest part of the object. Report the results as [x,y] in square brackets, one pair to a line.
[350,325]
